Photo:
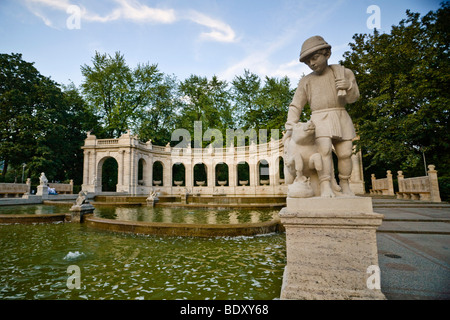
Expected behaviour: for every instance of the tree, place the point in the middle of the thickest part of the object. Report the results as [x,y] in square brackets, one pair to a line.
[205,101]
[261,106]
[19,81]
[245,92]
[40,125]
[117,94]
[403,77]
[158,120]
[274,98]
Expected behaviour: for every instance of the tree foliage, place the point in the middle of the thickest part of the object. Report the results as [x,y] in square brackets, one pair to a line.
[41,125]
[119,95]
[404,80]
[158,120]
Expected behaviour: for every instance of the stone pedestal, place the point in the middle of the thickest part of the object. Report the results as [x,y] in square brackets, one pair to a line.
[42,191]
[78,212]
[331,243]
[151,201]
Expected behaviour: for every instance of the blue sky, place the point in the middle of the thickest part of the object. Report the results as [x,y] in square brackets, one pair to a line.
[185,37]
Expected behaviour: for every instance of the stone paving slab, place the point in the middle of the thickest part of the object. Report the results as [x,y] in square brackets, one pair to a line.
[422,227]
[414,250]
[414,213]
[414,266]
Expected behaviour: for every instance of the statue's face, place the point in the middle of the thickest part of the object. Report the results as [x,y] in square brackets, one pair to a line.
[317,62]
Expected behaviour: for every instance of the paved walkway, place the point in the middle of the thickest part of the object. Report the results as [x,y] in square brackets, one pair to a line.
[414,249]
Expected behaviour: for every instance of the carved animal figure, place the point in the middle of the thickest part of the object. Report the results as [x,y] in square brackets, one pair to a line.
[303,162]
[81,199]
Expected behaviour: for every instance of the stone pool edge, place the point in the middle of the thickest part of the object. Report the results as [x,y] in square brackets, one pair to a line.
[33,218]
[184,229]
[153,228]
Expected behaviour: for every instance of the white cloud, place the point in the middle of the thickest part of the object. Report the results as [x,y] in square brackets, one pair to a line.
[220,31]
[56,4]
[134,11]
[261,59]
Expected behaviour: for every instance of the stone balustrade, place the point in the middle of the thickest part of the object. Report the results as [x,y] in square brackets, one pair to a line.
[424,188]
[384,186]
[14,190]
[62,188]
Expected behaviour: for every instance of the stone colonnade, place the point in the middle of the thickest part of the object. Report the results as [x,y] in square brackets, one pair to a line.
[135,162]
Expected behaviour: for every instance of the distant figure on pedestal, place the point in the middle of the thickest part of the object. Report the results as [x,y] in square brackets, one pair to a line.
[43,179]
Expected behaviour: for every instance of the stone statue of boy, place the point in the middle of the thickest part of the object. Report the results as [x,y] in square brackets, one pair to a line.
[43,179]
[327,90]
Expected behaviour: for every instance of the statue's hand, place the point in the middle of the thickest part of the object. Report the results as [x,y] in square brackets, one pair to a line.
[287,136]
[343,84]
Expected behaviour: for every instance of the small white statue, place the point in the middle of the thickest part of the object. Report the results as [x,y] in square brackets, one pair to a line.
[43,179]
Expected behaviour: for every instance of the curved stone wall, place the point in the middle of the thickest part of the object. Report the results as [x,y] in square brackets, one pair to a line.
[135,162]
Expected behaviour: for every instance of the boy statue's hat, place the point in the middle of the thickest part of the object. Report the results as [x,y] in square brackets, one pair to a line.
[311,45]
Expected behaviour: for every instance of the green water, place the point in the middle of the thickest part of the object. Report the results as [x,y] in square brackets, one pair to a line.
[158,214]
[34,209]
[34,261]
[191,215]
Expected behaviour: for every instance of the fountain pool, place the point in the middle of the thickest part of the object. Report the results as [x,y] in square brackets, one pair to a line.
[35,259]
[114,265]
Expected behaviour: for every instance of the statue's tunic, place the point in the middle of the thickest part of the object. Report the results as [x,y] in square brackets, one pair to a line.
[328,109]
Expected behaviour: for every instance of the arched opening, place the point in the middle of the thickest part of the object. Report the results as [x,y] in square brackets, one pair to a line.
[200,175]
[281,170]
[243,175]
[263,172]
[158,173]
[178,174]
[221,171]
[141,172]
[108,171]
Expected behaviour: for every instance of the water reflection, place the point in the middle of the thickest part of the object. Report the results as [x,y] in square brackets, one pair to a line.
[151,214]
[187,215]
[34,209]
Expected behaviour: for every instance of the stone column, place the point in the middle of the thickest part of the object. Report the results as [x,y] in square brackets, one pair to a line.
[390,183]
[253,172]
[331,249]
[96,181]
[133,172]
[28,183]
[121,167]
[189,174]
[211,174]
[149,173]
[400,179]
[86,168]
[127,170]
[167,173]
[232,173]
[276,172]
[434,184]
[356,172]
[373,180]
